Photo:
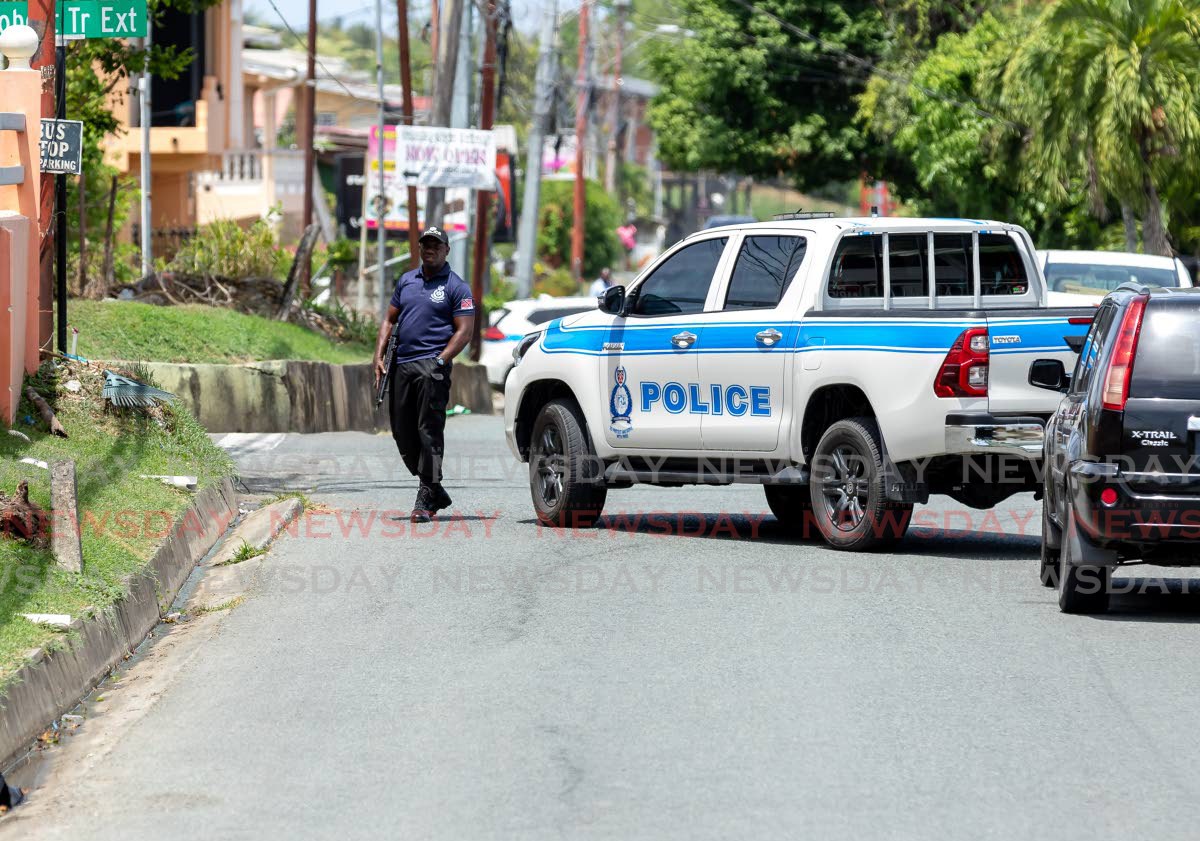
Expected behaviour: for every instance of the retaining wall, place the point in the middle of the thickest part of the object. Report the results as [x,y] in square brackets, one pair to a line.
[289,396]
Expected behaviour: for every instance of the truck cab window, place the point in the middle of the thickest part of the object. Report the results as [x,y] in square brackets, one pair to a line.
[765,266]
[680,285]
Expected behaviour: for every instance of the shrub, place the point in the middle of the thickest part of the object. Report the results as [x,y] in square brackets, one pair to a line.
[557,282]
[556,216]
[227,250]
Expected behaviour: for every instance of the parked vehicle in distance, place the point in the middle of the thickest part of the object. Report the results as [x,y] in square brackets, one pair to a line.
[722,221]
[508,325]
[1122,483]
[1071,274]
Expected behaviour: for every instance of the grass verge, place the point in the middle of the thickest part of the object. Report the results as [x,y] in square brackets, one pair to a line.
[123,517]
[199,334]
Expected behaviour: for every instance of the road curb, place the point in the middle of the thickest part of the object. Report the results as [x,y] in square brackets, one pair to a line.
[226,581]
[53,682]
[258,529]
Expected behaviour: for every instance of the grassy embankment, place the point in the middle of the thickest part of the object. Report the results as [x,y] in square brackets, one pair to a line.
[124,516]
[198,334]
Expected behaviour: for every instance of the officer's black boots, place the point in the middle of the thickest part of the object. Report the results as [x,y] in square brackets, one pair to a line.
[422,508]
[441,499]
[430,500]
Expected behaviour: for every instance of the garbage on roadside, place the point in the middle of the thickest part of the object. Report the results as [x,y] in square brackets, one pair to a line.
[10,796]
[188,483]
[21,519]
[54,620]
[458,409]
[122,391]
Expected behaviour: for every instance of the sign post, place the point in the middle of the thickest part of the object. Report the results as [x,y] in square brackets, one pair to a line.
[62,139]
[60,192]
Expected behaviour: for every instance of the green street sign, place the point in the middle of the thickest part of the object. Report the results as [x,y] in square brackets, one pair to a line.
[13,14]
[101,18]
[76,19]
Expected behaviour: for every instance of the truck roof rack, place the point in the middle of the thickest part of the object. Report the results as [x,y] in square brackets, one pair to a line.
[804,214]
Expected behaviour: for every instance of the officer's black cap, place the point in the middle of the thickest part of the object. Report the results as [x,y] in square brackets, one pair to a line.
[436,233]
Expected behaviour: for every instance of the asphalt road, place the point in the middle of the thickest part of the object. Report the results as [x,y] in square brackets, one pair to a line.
[664,676]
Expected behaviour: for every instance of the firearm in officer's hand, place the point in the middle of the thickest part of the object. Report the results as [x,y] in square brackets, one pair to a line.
[385,381]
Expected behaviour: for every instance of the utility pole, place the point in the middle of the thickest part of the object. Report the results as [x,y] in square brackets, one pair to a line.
[407,106]
[460,117]
[145,119]
[308,131]
[546,71]
[450,14]
[60,200]
[41,18]
[612,162]
[381,210]
[483,197]
[581,123]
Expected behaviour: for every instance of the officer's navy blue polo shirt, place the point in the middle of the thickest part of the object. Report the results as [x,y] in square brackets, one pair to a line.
[427,310]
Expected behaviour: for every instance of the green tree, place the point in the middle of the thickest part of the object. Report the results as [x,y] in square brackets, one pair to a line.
[964,154]
[747,95]
[1111,89]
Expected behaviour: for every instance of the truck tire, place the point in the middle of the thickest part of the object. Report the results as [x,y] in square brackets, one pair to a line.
[848,484]
[1050,557]
[1081,588]
[791,505]
[566,480]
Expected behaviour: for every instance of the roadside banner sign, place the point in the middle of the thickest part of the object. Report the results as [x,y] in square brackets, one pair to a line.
[62,147]
[78,19]
[432,156]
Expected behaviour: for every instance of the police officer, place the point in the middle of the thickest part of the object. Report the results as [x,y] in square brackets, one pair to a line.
[435,311]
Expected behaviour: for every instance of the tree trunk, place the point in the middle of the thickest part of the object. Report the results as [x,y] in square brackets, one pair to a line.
[1130,221]
[1154,232]
[107,281]
[82,232]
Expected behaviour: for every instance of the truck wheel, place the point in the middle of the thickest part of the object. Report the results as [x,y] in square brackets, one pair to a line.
[847,481]
[791,505]
[566,479]
[1081,589]
[1050,557]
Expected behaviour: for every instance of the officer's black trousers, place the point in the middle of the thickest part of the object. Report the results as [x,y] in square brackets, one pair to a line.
[420,392]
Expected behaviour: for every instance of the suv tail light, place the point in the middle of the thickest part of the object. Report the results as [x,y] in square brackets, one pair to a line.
[494,334]
[964,371]
[1120,368]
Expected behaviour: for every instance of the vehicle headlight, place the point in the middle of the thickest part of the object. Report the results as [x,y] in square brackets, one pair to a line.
[527,341]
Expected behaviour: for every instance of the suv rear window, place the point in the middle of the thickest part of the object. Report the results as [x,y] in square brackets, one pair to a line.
[1085,277]
[1168,352]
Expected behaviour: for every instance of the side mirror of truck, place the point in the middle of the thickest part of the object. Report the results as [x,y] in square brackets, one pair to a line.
[1050,375]
[612,300]
[1075,343]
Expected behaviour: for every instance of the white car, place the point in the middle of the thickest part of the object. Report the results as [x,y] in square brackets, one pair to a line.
[509,325]
[1090,275]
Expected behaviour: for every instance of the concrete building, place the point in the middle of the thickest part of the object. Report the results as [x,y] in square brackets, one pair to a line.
[215,132]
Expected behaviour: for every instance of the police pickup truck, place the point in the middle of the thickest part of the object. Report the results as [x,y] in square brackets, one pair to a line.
[852,367]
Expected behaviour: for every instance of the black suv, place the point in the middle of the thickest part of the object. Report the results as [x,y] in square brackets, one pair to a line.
[1122,453]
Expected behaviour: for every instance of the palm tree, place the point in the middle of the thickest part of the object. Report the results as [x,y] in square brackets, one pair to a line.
[1113,84]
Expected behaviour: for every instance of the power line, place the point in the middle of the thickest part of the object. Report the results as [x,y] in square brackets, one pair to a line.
[871,66]
[304,45]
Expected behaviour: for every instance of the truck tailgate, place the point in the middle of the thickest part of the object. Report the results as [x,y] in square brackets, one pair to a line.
[1020,337]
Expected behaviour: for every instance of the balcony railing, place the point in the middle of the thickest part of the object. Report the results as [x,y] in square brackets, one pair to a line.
[285,167]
